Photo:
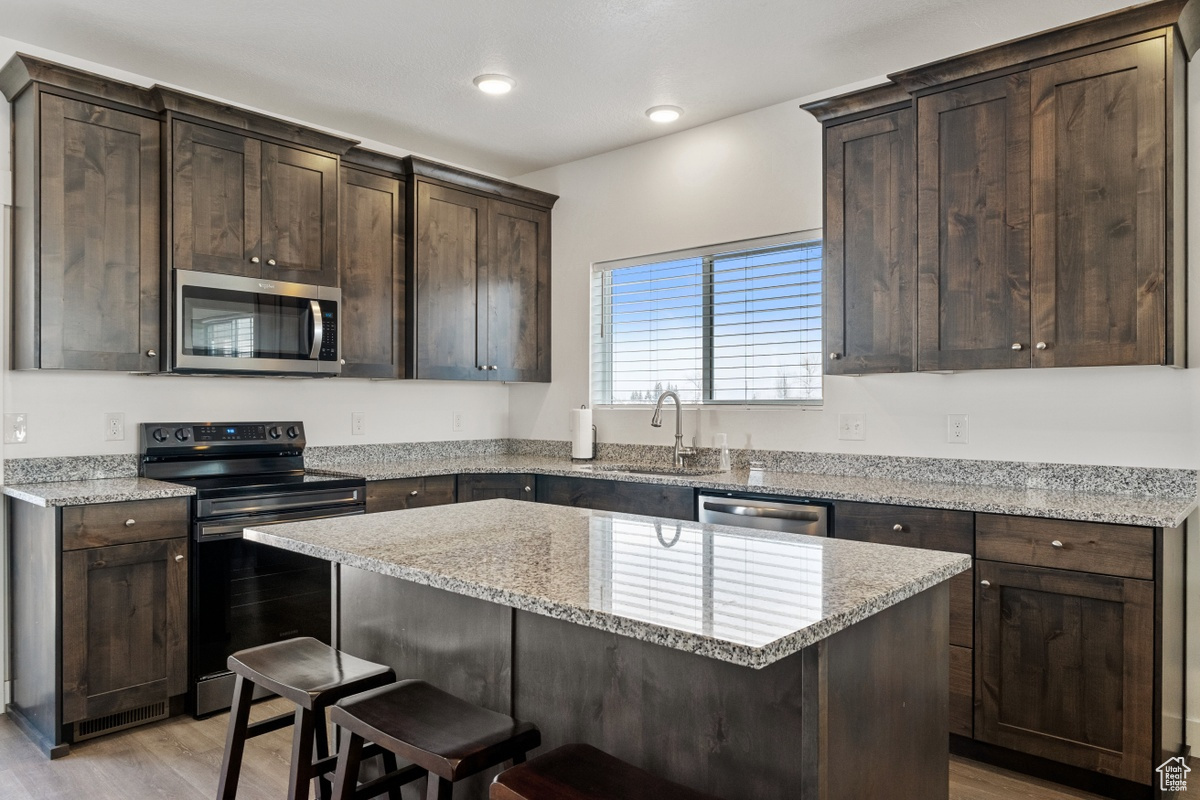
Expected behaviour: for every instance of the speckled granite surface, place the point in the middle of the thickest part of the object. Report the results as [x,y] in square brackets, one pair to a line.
[70,468]
[103,490]
[767,595]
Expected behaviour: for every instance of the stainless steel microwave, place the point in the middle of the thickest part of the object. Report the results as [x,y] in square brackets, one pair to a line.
[232,324]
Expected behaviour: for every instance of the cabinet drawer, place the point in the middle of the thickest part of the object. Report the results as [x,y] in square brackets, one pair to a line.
[123,523]
[517,486]
[930,528]
[1062,544]
[676,502]
[962,683]
[393,495]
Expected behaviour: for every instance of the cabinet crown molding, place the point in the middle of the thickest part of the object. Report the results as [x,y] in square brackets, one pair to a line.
[861,101]
[22,70]
[474,182]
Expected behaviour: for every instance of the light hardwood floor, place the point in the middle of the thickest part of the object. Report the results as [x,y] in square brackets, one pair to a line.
[180,758]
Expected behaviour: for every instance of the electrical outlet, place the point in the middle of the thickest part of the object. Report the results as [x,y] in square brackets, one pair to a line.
[956,428]
[456,421]
[852,427]
[15,428]
[358,423]
[114,427]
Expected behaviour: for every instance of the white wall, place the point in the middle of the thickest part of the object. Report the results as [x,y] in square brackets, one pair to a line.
[759,174]
[66,409]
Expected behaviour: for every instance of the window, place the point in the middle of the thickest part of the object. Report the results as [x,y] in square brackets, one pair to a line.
[736,323]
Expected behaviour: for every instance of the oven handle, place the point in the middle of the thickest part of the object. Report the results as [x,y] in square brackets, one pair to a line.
[318,329]
[230,529]
[240,506]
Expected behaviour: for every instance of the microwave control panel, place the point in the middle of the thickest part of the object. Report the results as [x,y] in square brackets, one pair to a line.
[329,332]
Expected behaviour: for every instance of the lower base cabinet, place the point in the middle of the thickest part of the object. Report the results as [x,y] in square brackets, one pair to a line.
[676,502]
[394,495]
[1065,666]
[112,578]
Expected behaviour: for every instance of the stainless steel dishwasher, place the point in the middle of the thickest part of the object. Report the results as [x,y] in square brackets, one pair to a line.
[768,513]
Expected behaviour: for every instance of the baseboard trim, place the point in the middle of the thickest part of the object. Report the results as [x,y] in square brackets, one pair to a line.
[1065,774]
[49,748]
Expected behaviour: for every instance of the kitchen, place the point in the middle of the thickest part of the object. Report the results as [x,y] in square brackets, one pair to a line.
[755,174]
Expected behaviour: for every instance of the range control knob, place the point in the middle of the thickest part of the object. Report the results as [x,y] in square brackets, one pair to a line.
[293,432]
[274,433]
[183,434]
[160,434]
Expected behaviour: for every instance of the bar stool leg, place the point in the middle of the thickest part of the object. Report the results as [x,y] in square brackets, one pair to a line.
[321,731]
[345,779]
[302,750]
[389,766]
[235,739]
[438,788]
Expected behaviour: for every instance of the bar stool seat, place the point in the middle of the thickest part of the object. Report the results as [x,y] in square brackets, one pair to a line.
[313,676]
[442,734]
[581,772]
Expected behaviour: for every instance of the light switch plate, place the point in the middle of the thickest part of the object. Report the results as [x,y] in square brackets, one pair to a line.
[15,428]
[852,427]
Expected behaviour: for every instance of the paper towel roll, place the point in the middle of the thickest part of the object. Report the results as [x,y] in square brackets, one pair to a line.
[581,444]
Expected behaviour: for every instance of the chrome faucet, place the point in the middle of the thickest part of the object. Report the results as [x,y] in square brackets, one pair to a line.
[656,422]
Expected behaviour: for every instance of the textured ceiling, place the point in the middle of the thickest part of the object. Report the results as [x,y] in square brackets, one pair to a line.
[399,71]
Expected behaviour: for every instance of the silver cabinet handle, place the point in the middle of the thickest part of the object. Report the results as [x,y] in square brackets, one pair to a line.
[342,361]
[129,523]
[834,356]
[1018,346]
[763,511]
[529,488]
[152,353]
[413,493]
[270,262]
[1040,345]
[493,366]
[1057,543]
[898,528]
[254,259]
[179,558]
[985,583]
[480,366]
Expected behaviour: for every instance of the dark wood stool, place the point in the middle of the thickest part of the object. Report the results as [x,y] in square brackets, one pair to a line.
[310,674]
[581,772]
[439,733]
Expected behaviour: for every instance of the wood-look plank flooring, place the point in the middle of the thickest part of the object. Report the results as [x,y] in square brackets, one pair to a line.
[180,758]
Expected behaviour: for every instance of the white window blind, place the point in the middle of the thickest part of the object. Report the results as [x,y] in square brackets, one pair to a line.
[736,324]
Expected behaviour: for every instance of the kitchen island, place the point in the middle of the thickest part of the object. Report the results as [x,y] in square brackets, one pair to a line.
[746,664]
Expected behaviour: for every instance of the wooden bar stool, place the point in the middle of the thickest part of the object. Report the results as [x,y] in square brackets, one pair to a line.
[581,772]
[310,674]
[439,733]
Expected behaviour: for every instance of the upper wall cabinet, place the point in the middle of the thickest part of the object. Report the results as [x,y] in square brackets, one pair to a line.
[870,236]
[371,269]
[243,206]
[86,232]
[479,277]
[1049,196]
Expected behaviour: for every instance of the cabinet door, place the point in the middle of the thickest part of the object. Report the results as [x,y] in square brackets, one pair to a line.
[99,293]
[517,312]
[492,487]
[371,274]
[216,201]
[124,627]
[973,226]
[870,244]
[401,493]
[1065,666]
[299,215]
[1099,208]
[450,246]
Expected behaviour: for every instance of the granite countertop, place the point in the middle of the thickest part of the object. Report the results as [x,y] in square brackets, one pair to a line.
[1085,506]
[101,490]
[756,598]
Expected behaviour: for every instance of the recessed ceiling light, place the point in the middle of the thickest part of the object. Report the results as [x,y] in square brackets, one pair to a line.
[664,113]
[494,84]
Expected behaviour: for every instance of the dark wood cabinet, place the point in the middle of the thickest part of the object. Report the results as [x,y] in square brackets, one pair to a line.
[677,502]
[492,487]
[1099,193]
[371,274]
[241,206]
[973,163]
[870,244]
[479,277]
[86,235]
[1065,666]
[99,617]
[401,493]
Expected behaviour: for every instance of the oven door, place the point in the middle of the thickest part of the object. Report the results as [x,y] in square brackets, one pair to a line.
[226,323]
[246,594]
